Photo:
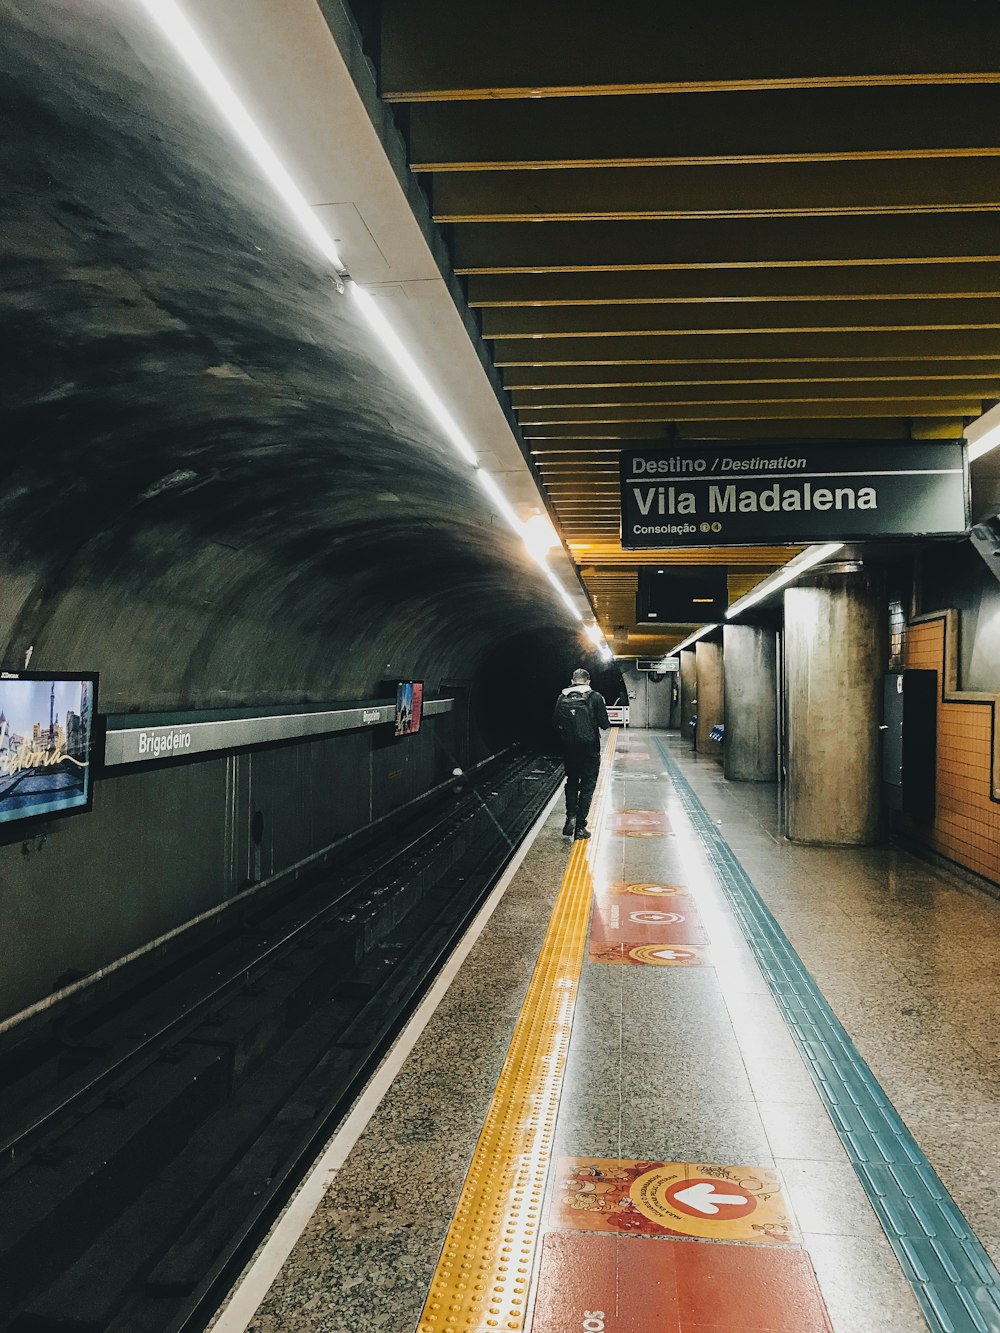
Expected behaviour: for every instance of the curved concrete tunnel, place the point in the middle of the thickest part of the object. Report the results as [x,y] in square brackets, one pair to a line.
[219,493]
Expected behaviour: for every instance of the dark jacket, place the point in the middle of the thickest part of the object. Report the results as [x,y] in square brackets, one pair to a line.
[598,707]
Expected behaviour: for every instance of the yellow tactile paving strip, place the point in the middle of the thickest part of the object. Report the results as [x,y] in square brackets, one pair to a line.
[484,1273]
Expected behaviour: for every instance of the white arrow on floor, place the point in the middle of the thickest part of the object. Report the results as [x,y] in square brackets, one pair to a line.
[703,1197]
[670,953]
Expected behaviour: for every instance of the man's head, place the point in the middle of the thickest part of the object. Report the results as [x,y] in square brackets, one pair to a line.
[581,677]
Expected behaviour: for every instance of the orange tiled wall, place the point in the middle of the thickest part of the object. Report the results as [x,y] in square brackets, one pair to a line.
[966,827]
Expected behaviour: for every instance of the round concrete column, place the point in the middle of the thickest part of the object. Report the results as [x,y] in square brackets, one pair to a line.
[708,661]
[689,692]
[835,654]
[751,682]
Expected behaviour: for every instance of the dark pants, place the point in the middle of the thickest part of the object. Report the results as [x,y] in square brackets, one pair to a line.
[582,765]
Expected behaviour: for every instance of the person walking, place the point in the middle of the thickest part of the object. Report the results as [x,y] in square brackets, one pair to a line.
[579,718]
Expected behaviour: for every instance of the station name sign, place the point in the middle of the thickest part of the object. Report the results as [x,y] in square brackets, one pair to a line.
[195,735]
[766,492]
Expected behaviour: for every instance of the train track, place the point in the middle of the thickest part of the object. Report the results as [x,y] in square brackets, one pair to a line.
[152,1128]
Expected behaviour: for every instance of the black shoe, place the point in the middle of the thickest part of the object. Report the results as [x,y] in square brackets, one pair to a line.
[581,833]
[569,826]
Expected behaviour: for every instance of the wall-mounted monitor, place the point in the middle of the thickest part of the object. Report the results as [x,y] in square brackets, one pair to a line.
[681,594]
[47,727]
[409,706]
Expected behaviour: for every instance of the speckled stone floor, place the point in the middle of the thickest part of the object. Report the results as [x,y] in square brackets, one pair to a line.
[365,1261]
[689,1064]
[908,957]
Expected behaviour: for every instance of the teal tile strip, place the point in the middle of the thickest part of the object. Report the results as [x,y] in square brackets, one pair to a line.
[951,1274]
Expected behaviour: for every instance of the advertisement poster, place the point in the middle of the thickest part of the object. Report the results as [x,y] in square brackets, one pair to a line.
[46,725]
[409,706]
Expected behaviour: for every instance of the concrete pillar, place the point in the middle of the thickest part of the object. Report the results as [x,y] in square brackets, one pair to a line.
[835,654]
[751,681]
[689,693]
[708,664]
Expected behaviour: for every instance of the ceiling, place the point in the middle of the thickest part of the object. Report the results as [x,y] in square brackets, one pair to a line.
[717,222]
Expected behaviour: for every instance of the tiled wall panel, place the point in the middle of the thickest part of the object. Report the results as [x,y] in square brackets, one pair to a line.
[966,827]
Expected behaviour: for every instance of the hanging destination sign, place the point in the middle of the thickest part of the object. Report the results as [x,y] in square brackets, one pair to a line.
[765,492]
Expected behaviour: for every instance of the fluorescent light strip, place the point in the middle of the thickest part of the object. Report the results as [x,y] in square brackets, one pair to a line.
[803,561]
[596,636]
[368,306]
[698,634]
[571,606]
[983,434]
[167,15]
[984,444]
[172,22]
[500,500]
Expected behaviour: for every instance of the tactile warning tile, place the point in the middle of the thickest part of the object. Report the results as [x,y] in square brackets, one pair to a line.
[952,1276]
[482,1278]
[614,1284]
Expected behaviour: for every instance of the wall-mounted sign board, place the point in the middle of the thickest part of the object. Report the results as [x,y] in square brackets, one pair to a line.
[766,492]
[658,664]
[138,740]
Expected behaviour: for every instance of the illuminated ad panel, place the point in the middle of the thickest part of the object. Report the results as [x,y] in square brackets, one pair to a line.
[766,492]
[409,707]
[46,744]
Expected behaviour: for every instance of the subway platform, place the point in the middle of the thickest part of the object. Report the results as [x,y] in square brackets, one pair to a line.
[684,1077]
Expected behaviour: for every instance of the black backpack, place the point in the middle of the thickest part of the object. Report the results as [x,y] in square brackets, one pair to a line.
[575,721]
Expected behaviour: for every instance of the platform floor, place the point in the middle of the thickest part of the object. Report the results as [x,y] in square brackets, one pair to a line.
[684,1137]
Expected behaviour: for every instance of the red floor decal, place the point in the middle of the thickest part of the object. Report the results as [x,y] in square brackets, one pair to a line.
[623,1284]
[628,920]
[640,824]
[664,955]
[646,890]
[707,1199]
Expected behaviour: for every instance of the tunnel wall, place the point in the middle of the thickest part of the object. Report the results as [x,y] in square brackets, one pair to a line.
[163,845]
[219,492]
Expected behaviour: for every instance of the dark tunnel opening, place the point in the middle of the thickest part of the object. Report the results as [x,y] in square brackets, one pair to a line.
[516,686]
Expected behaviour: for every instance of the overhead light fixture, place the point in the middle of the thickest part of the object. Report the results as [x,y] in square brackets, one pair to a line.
[691,638]
[983,434]
[539,535]
[814,555]
[171,20]
[500,500]
[571,606]
[596,635]
[369,307]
